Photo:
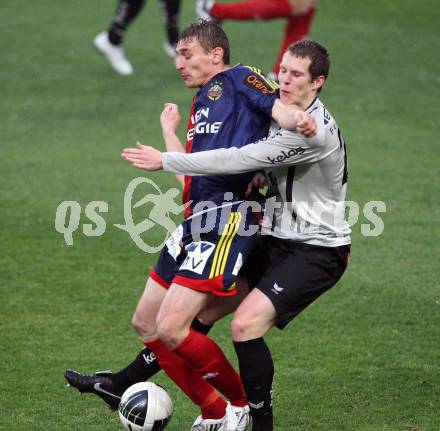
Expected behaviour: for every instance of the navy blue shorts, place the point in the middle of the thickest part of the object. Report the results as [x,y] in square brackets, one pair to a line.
[206,252]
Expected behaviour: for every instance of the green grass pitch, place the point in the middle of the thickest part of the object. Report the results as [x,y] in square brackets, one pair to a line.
[365,357]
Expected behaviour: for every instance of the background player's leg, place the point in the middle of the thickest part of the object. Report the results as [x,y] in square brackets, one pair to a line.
[171,16]
[251,10]
[126,12]
[253,318]
[110,43]
[297,28]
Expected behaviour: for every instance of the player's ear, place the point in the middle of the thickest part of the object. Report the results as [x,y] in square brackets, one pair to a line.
[217,55]
[318,82]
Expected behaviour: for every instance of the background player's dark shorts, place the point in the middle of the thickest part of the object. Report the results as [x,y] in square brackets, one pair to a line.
[292,274]
[207,261]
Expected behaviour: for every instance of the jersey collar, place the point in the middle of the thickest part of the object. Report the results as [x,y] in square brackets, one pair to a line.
[313,105]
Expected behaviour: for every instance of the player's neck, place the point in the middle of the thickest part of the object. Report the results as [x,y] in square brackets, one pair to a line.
[220,70]
[307,103]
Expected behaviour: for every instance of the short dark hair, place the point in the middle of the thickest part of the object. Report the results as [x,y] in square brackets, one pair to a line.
[318,54]
[209,34]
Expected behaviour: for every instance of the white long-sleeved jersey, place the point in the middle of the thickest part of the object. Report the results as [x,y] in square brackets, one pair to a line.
[307,178]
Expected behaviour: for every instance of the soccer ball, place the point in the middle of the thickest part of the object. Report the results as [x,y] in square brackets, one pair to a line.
[145,406]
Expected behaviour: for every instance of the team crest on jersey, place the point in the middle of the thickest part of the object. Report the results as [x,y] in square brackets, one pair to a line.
[215,91]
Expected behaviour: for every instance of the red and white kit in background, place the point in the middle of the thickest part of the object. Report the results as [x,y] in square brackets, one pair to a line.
[297,27]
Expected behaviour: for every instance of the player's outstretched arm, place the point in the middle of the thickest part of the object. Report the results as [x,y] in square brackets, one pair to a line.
[290,117]
[282,148]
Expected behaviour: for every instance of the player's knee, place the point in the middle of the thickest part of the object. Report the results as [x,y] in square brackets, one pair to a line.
[240,328]
[209,317]
[143,326]
[169,332]
[136,322]
[247,326]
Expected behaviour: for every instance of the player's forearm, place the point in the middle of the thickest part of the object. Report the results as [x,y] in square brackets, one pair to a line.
[215,162]
[285,115]
[222,161]
[283,148]
[292,118]
[172,143]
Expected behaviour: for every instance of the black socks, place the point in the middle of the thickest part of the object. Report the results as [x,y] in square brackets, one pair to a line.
[141,369]
[256,370]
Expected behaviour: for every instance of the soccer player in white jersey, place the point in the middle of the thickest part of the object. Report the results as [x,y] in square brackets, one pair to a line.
[304,249]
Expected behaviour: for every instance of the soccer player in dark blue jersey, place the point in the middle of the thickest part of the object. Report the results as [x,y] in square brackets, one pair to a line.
[233,106]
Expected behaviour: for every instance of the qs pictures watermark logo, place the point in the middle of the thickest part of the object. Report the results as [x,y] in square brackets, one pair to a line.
[161,206]
[151,217]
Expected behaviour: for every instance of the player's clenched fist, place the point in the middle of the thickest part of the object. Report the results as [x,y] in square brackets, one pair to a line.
[170,117]
[305,124]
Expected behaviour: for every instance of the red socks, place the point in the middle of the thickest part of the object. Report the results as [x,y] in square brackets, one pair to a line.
[197,366]
[189,380]
[206,357]
[297,28]
[252,9]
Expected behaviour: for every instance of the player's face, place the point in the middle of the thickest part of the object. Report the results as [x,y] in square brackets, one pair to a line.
[296,85]
[194,64]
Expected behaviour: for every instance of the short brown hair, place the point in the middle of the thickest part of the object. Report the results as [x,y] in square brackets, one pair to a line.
[319,57]
[209,34]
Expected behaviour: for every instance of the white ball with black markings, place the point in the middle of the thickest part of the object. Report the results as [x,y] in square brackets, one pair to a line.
[145,406]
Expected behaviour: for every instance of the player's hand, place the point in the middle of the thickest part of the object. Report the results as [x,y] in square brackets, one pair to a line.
[258,182]
[305,124]
[170,117]
[301,7]
[143,157]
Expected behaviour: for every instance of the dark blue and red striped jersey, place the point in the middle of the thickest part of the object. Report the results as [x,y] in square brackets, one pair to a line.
[233,109]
